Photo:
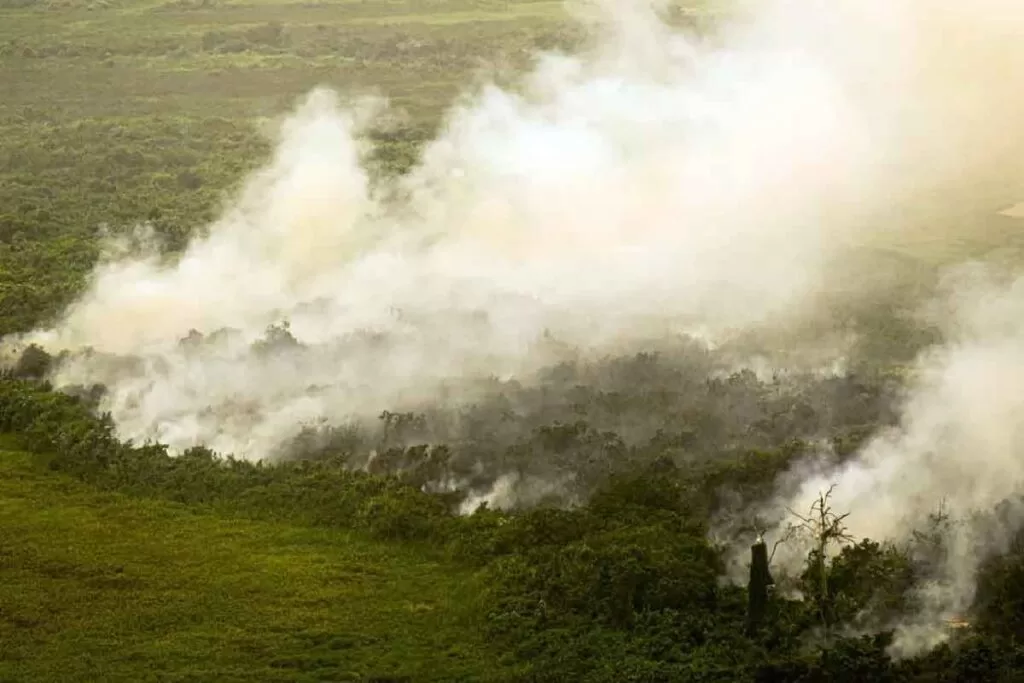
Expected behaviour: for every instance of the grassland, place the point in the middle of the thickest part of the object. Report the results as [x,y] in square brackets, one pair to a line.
[96,586]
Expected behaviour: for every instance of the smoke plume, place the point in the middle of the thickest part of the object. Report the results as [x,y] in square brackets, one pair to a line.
[658,183]
[655,184]
[959,447]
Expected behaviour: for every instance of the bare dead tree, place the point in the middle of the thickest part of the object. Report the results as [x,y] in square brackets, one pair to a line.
[826,528]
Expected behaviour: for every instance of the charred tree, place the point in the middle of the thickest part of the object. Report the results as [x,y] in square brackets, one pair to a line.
[758,588]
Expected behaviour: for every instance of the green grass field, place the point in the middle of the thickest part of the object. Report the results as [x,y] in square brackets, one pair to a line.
[96,586]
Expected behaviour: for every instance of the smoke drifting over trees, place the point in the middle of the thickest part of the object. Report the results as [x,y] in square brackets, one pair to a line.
[729,205]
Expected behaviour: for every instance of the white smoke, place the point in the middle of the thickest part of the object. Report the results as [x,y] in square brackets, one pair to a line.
[660,183]
[512,490]
[959,445]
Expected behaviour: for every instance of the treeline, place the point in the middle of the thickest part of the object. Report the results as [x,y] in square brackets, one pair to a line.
[556,438]
[626,587]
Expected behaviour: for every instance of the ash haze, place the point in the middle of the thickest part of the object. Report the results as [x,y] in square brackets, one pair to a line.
[658,183]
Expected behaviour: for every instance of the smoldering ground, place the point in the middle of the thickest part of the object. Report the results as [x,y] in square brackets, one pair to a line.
[956,450]
[744,187]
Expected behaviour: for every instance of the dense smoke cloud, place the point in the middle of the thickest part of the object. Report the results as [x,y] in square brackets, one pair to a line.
[658,183]
[723,186]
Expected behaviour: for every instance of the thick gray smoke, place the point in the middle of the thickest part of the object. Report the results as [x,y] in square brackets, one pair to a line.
[659,183]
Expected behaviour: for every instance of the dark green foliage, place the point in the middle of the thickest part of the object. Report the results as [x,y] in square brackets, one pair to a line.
[869,581]
[852,660]
[624,588]
[33,363]
[1001,590]
[320,493]
[585,423]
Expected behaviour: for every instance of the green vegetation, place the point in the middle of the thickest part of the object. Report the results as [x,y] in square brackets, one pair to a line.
[118,562]
[222,555]
[100,586]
